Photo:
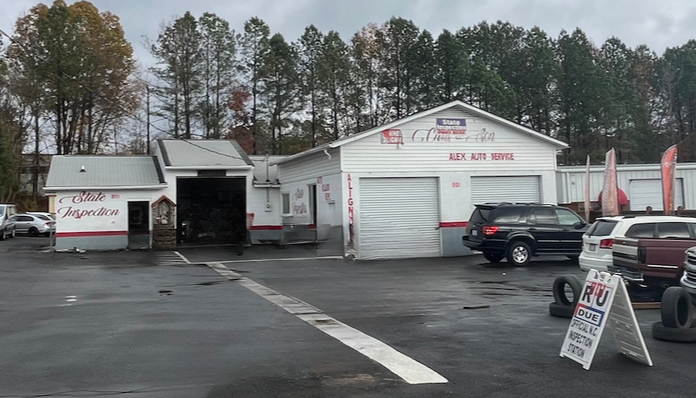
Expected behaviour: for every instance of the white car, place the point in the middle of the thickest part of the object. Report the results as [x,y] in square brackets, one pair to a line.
[42,213]
[598,241]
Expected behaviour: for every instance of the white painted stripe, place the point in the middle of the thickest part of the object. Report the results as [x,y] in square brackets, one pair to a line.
[410,370]
[182,257]
[263,260]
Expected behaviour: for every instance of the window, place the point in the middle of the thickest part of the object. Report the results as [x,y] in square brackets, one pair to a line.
[567,217]
[674,230]
[508,215]
[602,228]
[42,217]
[285,198]
[543,216]
[641,231]
[480,215]
[25,218]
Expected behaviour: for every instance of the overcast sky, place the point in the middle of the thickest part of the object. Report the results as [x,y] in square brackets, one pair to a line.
[659,24]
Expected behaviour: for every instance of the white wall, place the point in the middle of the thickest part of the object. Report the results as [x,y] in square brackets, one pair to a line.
[571,181]
[256,203]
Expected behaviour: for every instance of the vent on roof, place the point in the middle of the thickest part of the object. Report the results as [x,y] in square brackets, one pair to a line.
[82,169]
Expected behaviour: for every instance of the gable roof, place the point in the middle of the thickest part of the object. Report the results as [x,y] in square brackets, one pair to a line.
[103,172]
[203,153]
[265,169]
[469,108]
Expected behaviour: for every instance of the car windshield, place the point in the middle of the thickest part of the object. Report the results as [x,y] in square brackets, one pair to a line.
[602,228]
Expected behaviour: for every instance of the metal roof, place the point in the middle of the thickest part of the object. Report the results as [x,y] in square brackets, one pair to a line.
[203,153]
[103,171]
[263,163]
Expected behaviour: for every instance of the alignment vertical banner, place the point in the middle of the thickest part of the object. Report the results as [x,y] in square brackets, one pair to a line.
[610,193]
[668,167]
[587,191]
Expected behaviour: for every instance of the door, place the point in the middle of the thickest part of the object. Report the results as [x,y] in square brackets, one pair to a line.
[398,218]
[511,189]
[545,229]
[648,192]
[23,223]
[138,225]
[571,237]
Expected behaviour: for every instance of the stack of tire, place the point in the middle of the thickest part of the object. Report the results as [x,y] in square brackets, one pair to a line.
[676,310]
[563,306]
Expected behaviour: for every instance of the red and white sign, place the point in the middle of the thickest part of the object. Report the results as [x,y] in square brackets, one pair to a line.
[392,136]
[668,168]
[481,156]
[610,193]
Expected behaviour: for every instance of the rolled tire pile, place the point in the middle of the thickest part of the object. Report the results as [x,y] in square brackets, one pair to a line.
[676,311]
[563,306]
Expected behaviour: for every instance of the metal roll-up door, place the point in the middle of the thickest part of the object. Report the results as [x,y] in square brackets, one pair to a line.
[399,218]
[512,189]
[648,192]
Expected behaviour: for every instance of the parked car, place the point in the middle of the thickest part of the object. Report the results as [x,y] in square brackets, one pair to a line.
[688,279]
[34,225]
[655,261]
[598,241]
[519,231]
[7,225]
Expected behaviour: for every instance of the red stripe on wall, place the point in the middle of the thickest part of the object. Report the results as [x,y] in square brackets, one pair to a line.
[454,224]
[266,227]
[85,234]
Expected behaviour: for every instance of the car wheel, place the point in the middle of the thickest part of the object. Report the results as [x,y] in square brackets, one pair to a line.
[519,253]
[14,233]
[561,311]
[662,332]
[559,290]
[493,257]
[675,308]
[3,234]
[33,231]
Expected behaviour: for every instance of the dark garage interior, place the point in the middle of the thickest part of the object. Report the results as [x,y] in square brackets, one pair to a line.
[211,210]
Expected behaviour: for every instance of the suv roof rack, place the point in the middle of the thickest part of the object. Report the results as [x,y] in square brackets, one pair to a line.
[515,204]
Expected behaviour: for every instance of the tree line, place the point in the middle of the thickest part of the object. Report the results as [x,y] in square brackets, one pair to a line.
[69,85]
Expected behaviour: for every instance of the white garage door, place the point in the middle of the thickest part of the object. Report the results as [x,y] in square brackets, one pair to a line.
[513,189]
[399,218]
[644,193]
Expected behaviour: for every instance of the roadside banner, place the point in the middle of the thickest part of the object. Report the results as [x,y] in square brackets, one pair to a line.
[668,166]
[587,191]
[610,192]
[603,300]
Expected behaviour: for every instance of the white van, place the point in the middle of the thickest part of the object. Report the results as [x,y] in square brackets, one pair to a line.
[7,225]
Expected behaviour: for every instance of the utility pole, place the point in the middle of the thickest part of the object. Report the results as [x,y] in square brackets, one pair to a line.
[147,88]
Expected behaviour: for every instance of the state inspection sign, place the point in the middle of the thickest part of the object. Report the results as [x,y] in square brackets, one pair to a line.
[590,317]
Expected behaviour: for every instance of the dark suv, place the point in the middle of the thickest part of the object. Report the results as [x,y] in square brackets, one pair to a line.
[519,231]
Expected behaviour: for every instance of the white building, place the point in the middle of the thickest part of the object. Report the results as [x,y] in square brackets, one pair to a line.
[641,183]
[407,189]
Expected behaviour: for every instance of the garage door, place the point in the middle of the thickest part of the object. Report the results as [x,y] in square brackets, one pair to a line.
[399,218]
[519,189]
[644,193]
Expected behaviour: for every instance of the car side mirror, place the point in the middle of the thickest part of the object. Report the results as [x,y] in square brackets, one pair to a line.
[579,225]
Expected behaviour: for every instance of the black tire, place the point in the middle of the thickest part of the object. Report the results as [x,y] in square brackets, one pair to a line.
[561,311]
[662,332]
[559,293]
[519,253]
[2,234]
[493,257]
[676,308]
[33,231]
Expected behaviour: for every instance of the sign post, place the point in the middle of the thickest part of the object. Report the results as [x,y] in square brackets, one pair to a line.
[603,300]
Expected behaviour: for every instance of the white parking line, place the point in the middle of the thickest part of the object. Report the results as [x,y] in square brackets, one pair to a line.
[182,257]
[411,371]
[262,260]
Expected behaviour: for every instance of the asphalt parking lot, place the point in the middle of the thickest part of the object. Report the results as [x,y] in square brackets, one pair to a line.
[147,324]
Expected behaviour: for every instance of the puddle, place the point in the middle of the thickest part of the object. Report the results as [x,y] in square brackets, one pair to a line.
[211,283]
[165,292]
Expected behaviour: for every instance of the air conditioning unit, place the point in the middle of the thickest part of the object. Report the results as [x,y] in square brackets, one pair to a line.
[268,207]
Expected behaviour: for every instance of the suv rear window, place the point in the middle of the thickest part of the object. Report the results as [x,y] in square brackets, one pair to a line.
[507,215]
[602,228]
[641,231]
[480,215]
[674,230]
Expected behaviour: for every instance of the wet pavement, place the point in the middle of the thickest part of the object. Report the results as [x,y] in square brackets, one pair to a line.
[131,324]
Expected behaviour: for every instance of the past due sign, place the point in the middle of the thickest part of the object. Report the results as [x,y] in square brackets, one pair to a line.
[603,300]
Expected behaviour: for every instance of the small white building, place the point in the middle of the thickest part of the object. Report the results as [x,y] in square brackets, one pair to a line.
[642,184]
[407,189]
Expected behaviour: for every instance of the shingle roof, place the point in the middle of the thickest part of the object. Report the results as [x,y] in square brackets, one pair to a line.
[223,153]
[260,168]
[103,171]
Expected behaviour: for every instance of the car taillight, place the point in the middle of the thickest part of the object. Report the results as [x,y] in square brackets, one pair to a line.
[641,255]
[606,243]
[490,230]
